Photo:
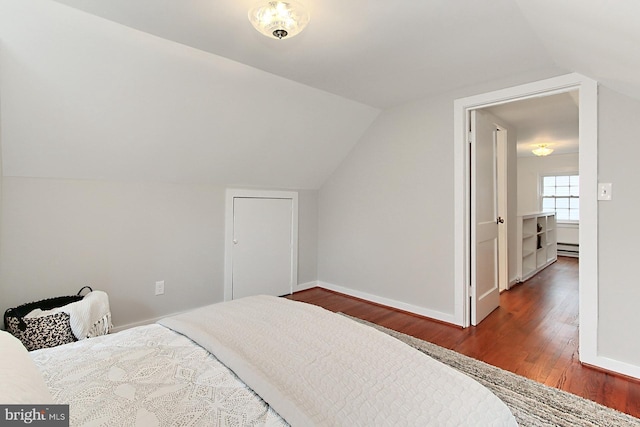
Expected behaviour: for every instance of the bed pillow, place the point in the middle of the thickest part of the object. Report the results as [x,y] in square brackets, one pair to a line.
[21,381]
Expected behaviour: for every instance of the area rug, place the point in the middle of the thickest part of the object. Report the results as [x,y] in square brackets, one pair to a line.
[533,404]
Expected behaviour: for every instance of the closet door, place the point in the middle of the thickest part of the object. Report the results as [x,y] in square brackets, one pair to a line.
[262,246]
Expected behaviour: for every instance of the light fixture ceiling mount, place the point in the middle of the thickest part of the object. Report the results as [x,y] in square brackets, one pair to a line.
[542,150]
[279,19]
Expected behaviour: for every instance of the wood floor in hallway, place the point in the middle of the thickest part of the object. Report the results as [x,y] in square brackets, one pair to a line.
[533,333]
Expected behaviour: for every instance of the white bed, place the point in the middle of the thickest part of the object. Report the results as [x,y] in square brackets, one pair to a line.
[313,367]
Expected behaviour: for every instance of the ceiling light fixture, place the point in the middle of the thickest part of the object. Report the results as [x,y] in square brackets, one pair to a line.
[279,19]
[542,150]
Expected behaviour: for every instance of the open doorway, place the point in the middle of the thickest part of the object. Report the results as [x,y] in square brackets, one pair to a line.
[542,176]
[464,220]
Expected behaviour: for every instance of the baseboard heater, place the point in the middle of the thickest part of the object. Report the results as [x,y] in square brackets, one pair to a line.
[569,249]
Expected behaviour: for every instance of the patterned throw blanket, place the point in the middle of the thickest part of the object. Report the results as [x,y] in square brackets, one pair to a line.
[315,367]
[89,317]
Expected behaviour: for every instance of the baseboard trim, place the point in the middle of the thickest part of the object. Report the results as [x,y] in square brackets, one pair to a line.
[144,322]
[134,324]
[410,308]
[298,287]
[568,254]
[305,286]
[614,367]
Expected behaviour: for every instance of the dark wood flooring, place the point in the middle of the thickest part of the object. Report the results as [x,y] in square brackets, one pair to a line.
[533,333]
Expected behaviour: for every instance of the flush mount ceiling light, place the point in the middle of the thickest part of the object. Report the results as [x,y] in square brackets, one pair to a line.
[279,19]
[542,150]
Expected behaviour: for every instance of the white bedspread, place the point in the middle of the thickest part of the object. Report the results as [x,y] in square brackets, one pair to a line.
[315,367]
[148,376]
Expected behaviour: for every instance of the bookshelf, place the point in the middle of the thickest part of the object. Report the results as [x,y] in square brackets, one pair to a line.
[537,244]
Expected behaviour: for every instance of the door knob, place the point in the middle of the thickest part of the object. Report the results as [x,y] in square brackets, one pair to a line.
[235,242]
[500,220]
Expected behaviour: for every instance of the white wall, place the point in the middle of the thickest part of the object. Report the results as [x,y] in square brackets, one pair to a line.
[618,153]
[386,215]
[86,98]
[307,237]
[1,177]
[1,193]
[105,117]
[121,237]
[386,218]
[530,169]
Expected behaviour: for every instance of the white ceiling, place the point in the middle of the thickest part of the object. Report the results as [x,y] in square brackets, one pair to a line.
[551,120]
[597,38]
[380,53]
[188,91]
[384,53]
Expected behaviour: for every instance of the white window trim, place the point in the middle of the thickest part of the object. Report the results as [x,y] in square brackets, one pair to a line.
[541,191]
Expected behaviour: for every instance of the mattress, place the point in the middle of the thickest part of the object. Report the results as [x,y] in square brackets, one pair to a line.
[315,367]
[260,361]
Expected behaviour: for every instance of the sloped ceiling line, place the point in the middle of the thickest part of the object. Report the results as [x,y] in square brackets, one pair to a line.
[115,103]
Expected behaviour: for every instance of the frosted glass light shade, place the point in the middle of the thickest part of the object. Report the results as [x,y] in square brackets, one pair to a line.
[542,150]
[279,19]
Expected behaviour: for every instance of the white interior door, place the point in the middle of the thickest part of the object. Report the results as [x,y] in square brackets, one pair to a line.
[485,293]
[502,196]
[262,247]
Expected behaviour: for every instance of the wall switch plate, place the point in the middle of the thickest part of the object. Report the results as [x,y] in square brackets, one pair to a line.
[604,191]
[160,287]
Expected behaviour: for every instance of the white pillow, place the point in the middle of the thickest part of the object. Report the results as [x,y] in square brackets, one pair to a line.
[22,382]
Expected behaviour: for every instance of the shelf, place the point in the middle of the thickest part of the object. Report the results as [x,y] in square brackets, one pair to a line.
[532,258]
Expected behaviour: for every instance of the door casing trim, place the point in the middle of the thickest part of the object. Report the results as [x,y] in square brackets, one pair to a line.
[588,160]
[232,193]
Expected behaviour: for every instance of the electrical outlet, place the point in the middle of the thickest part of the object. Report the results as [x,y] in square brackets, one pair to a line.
[160,287]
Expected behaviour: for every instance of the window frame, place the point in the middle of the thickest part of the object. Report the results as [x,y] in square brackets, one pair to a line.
[541,194]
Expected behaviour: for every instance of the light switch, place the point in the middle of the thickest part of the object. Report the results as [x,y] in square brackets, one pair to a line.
[160,287]
[604,191]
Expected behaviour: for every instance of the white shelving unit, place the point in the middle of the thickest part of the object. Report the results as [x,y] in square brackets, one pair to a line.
[537,244]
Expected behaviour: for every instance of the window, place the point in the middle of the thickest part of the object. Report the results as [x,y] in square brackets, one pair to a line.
[561,193]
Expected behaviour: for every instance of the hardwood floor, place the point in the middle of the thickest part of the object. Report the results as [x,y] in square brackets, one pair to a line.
[533,333]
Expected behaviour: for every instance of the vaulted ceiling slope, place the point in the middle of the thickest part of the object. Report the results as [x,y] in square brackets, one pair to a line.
[188,91]
[82,97]
[380,53]
[597,38]
[384,53]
